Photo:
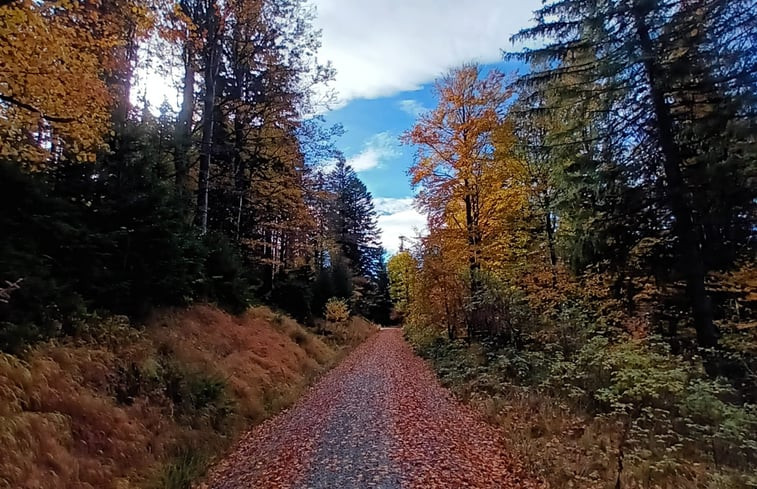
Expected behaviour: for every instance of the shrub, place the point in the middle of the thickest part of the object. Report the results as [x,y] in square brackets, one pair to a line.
[588,403]
[337,310]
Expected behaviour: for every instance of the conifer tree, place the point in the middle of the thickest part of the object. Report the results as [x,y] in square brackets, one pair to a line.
[637,59]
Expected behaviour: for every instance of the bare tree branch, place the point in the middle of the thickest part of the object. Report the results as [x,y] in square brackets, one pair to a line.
[5,292]
[31,108]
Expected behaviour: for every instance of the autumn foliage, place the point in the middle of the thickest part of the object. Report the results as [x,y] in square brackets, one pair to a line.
[580,328]
[54,84]
[120,408]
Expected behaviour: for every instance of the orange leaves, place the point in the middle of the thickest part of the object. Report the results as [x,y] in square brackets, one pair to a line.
[438,443]
[470,185]
[455,157]
[379,419]
[487,204]
[44,63]
[53,60]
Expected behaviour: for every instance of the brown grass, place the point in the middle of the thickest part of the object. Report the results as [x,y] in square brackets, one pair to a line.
[553,442]
[59,429]
[62,427]
[570,450]
[347,334]
[265,358]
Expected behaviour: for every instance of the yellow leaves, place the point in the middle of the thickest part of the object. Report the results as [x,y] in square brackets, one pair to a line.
[479,195]
[337,310]
[402,270]
[50,79]
[454,141]
[55,58]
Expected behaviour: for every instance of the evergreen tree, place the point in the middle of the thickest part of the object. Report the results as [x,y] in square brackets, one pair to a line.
[627,57]
[353,221]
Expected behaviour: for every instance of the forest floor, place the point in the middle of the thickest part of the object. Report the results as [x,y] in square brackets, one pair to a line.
[380,419]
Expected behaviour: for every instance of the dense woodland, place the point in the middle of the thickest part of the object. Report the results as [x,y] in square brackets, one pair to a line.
[236,197]
[589,273]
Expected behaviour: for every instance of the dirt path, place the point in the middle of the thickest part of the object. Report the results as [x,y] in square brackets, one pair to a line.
[378,420]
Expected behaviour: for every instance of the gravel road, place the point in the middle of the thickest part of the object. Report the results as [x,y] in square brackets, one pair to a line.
[378,420]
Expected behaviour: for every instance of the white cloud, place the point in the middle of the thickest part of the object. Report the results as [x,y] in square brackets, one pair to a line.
[380,48]
[397,217]
[412,107]
[380,147]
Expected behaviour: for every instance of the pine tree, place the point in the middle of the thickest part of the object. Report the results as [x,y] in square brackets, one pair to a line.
[353,221]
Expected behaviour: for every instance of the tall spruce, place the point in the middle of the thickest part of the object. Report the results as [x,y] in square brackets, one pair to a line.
[659,71]
[353,220]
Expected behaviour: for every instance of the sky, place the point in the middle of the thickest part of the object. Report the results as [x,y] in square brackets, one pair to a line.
[387,55]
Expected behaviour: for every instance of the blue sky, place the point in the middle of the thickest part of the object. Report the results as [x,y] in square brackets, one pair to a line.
[387,55]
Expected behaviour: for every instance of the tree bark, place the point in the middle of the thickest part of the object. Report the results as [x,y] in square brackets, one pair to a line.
[549,226]
[206,149]
[473,260]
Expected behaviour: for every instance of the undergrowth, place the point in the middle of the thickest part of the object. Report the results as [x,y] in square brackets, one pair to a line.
[116,406]
[625,413]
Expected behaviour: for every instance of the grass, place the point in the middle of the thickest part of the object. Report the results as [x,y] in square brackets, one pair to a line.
[120,407]
[183,470]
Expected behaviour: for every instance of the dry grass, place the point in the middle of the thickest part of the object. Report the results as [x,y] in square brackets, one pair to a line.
[553,442]
[347,334]
[573,451]
[265,358]
[65,421]
[59,426]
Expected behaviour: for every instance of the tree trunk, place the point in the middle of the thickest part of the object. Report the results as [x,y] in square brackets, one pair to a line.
[206,150]
[549,226]
[473,261]
[240,164]
[184,123]
[689,241]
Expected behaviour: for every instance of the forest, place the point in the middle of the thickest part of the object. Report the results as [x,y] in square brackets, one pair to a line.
[588,278]
[239,197]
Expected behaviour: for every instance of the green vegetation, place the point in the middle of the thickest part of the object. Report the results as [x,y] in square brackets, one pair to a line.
[610,409]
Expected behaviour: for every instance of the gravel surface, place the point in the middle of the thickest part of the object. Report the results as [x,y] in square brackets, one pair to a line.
[378,420]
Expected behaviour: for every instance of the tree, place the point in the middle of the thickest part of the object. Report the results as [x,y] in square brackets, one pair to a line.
[464,188]
[629,57]
[353,221]
[455,155]
[402,269]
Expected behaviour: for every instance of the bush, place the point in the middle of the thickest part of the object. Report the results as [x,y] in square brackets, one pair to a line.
[337,310]
[586,402]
